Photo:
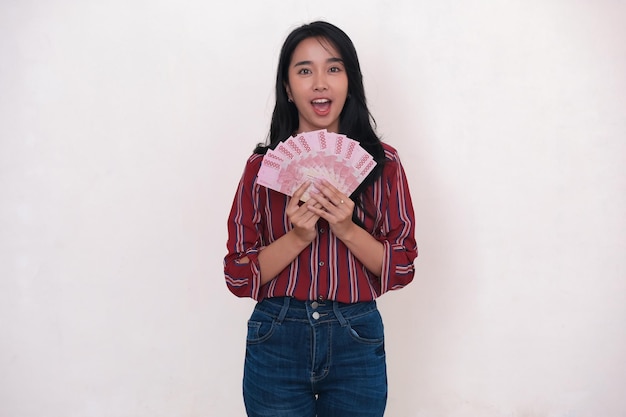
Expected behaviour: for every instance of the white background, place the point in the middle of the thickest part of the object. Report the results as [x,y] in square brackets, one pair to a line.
[125,126]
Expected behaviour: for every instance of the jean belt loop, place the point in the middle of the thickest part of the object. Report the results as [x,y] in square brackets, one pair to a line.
[340,317]
[283,310]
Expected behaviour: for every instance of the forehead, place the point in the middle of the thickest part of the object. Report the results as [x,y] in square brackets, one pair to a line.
[314,49]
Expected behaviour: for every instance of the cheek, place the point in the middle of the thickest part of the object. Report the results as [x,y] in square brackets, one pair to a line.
[297,92]
[342,85]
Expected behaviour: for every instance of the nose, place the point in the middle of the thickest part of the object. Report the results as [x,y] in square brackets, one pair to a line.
[320,83]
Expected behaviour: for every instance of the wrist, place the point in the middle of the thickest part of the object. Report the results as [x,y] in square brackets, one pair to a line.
[298,241]
[349,233]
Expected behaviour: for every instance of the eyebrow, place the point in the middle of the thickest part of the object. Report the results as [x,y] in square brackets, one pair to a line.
[328,61]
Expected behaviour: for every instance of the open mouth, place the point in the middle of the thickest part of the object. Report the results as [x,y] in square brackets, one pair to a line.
[321,106]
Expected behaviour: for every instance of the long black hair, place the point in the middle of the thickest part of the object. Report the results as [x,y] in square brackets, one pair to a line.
[355,120]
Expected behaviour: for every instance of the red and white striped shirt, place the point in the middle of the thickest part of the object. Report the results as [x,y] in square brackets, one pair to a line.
[326,269]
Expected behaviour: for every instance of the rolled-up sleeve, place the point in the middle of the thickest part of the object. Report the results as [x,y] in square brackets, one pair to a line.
[241,265]
[398,229]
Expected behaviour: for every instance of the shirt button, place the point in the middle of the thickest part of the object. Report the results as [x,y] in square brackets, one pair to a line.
[315,315]
[314,305]
[320,298]
[321,263]
[322,230]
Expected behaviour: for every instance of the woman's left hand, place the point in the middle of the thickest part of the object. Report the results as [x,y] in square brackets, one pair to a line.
[336,208]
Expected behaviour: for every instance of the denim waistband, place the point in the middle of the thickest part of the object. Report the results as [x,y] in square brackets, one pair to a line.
[288,308]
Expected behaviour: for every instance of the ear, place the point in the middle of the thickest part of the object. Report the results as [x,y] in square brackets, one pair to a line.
[288,90]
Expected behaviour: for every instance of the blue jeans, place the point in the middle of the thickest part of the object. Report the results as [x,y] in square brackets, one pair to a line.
[308,359]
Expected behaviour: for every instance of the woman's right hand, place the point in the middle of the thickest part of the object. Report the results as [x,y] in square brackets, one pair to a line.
[302,219]
[277,256]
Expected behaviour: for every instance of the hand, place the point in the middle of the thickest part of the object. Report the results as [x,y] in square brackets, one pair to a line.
[302,219]
[334,206]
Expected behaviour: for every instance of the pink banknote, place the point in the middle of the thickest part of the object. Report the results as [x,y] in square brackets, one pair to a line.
[313,156]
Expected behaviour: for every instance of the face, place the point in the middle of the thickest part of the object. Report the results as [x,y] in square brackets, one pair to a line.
[317,84]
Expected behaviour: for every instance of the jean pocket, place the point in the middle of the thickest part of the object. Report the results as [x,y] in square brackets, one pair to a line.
[367,329]
[259,331]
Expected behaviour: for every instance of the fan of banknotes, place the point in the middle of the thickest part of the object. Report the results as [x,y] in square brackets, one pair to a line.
[312,156]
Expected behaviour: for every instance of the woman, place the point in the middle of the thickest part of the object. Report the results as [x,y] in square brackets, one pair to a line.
[315,343]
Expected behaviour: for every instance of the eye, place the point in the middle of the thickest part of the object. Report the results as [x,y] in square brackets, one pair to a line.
[335,69]
[304,71]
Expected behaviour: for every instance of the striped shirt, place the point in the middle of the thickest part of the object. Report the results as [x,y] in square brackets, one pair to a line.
[325,269]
